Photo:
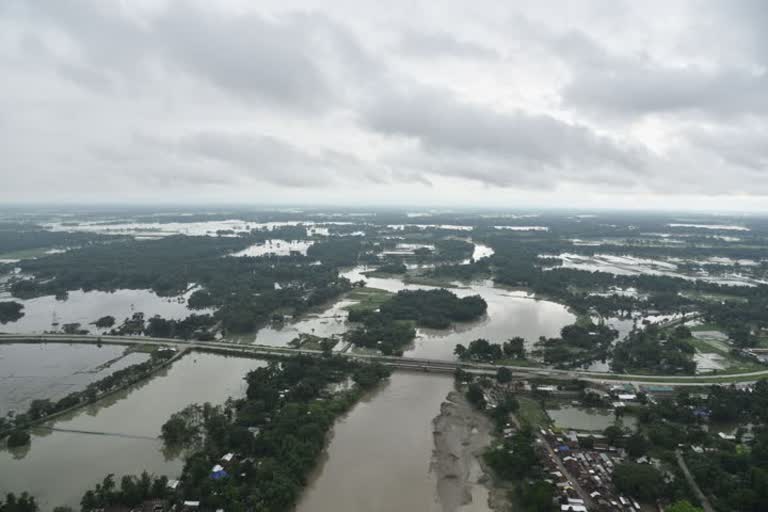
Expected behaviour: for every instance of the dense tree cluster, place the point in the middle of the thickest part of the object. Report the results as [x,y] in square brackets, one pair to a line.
[433,308]
[654,350]
[133,491]
[10,311]
[22,503]
[485,351]
[577,345]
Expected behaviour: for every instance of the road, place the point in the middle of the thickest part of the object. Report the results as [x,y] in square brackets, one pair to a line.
[406,363]
[703,500]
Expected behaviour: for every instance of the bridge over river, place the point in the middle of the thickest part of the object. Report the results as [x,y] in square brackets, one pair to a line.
[399,363]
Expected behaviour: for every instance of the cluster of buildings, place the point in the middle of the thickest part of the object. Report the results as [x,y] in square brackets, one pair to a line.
[584,475]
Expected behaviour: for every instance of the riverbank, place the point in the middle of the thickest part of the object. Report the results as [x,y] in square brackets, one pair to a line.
[461,435]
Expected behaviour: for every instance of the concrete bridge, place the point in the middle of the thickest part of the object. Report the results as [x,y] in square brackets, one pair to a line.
[402,363]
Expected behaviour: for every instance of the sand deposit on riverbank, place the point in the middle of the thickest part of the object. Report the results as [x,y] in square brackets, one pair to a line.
[461,435]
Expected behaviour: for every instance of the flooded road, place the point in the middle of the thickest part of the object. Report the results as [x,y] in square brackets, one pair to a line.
[58,467]
[379,457]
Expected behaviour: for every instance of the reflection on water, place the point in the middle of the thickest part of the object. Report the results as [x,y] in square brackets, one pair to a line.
[379,457]
[60,466]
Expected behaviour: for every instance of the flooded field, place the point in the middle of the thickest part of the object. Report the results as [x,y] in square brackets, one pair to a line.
[588,419]
[49,314]
[379,457]
[230,227]
[330,322]
[631,265]
[59,466]
[277,248]
[30,371]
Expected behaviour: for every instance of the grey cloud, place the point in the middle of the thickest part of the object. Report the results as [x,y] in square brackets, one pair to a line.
[246,158]
[499,148]
[442,44]
[615,80]
[294,60]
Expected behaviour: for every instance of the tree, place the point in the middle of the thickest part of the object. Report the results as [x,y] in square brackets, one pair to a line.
[503,375]
[537,496]
[18,438]
[641,481]
[514,348]
[637,445]
[105,322]
[23,503]
[476,396]
[683,506]
[460,351]
[613,433]
[10,311]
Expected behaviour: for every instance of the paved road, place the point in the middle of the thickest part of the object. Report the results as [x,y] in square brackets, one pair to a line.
[393,361]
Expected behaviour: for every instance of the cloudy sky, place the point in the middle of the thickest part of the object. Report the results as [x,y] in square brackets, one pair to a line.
[611,103]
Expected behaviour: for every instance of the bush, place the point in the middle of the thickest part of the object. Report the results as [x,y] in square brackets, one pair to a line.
[19,438]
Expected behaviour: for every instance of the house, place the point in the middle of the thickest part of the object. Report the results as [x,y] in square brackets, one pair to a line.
[227,457]
[218,472]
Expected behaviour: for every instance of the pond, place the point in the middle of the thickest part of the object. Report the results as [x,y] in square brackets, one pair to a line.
[588,418]
[59,466]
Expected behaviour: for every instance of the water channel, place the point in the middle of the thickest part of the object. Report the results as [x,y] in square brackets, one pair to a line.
[379,457]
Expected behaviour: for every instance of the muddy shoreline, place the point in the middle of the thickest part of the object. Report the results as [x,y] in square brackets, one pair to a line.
[461,435]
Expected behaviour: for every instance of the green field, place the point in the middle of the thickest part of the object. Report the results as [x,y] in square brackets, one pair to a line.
[368,299]
[531,412]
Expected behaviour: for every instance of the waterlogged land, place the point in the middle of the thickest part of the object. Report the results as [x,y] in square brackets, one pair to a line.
[58,466]
[47,313]
[52,370]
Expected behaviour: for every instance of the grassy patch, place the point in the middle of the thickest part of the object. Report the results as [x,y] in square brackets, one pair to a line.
[712,297]
[705,327]
[709,346]
[368,299]
[439,282]
[531,412]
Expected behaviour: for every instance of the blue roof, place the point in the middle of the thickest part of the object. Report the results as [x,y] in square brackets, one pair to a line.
[218,475]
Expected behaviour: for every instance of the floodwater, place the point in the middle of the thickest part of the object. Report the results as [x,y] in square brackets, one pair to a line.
[276,247]
[30,371]
[379,457]
[631,266]
[85,307]
[588,419]
[203,228]
[510,314]
[58,467]
[326,324]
